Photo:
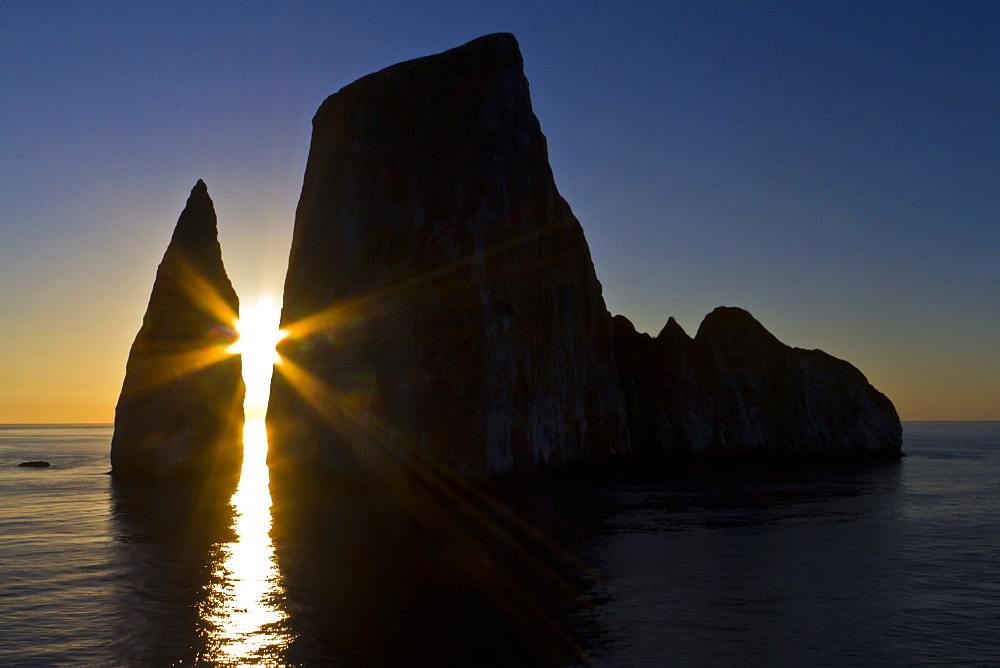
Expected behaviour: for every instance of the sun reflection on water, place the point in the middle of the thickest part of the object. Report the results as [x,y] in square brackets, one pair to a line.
[243,621]
[243,617]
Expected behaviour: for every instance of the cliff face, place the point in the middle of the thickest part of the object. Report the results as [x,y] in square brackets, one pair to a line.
[734,389]
[440,295]
[180,412]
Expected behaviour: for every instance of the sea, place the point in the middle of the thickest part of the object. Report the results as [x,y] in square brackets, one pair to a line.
[887,564]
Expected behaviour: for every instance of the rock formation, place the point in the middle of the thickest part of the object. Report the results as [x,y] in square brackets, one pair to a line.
[180,412]
[734,389]
[442,305]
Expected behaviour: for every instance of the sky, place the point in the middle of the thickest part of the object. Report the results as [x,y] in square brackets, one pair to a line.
[834,168]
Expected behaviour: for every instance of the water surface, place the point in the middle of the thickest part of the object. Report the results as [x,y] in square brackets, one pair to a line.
[893,564]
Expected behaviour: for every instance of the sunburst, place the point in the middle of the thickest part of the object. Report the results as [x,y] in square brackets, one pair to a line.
[258,336]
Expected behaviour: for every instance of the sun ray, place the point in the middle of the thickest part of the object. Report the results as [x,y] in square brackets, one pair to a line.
[258,337]
[441,501]
[166,350]
[198,290]
[446,504]
[395,297]
[347,413]
[243,618]
[163,365]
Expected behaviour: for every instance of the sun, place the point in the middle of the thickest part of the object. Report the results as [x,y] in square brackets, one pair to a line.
[258,330]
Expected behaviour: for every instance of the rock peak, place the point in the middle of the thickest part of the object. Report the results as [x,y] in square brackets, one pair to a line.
[180,411]
[485,344]
[499,43]
[740,391]
[623,324]
[729,323]
[198,220]
[672,331]
[731,314]
[199,195]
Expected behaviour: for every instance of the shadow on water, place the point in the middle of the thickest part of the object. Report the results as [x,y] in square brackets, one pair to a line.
[750,492]
[405,572]
[427,571]
[748,563]
[402,572]
[398,572]
[168,536]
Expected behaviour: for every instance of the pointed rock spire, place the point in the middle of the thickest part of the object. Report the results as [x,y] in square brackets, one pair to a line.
[672,332]
[180,412]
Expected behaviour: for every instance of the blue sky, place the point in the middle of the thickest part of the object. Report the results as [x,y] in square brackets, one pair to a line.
[831,167]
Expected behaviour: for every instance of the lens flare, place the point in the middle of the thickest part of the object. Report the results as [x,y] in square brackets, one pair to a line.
[243,619]
[259,334]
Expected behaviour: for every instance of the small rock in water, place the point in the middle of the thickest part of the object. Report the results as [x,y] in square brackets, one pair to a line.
[36,463]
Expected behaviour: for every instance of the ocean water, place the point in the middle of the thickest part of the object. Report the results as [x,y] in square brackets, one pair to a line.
[876,564]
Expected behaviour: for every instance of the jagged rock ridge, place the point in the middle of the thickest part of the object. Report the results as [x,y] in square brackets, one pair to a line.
[180,412]
[443,307]
[734,389]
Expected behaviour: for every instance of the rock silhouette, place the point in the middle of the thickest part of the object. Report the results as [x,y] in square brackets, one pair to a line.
[180,412]
[445,318]
[734,389]
[442,303]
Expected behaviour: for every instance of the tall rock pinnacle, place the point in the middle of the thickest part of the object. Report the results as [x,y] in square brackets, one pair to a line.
[180,412]
[443,309]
